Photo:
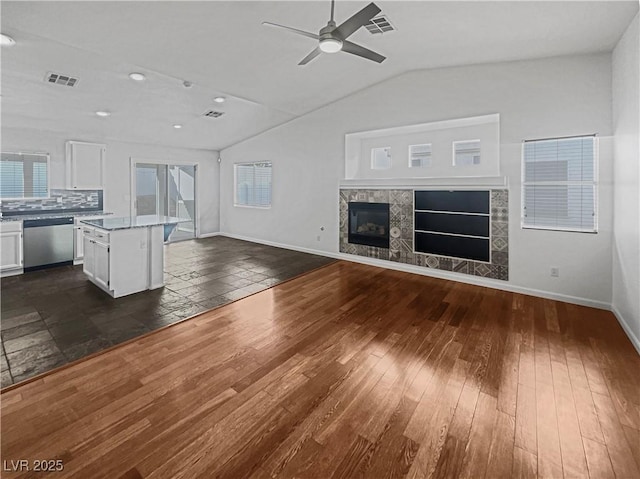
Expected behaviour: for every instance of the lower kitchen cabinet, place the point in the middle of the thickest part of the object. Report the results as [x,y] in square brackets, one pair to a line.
[118,261]
[78,240]
[11,258]
[96,261]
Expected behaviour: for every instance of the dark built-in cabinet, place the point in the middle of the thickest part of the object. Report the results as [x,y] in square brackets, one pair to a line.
[453,223]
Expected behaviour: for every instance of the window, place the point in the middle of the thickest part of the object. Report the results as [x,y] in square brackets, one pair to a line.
[420,156]
[253,184]
[466,153]
[381,158]
[559,185]
[24,175]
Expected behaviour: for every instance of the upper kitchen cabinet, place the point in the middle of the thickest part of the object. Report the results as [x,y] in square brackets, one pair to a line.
[85,164]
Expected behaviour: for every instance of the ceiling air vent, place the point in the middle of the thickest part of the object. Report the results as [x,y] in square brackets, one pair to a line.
[59,79]
[378,25]
[213,114]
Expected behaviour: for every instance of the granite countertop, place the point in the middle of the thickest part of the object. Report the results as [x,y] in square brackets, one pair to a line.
[128,222]
[57,214]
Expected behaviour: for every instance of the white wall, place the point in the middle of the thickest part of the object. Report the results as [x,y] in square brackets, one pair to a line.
[117,197]
[440,135]
[535,99]
[626,230]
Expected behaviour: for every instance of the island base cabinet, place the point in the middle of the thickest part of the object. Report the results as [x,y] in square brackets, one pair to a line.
[101,265]
[89,257]
[118,261]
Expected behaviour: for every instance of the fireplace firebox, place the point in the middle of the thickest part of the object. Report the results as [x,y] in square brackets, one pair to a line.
[369,224]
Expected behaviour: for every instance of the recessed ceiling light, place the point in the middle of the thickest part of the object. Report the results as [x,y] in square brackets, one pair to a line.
[103,113]
[137,76]
[6,40]
[219,99]
[177,126]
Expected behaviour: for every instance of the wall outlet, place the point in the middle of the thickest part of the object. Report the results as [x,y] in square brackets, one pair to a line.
[555,272]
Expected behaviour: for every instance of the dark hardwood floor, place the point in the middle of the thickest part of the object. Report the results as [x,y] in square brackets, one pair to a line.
[55,316]
[347,371]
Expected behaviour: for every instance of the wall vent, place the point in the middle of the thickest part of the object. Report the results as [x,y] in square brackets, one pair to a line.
[213,114]
[380,24]
[60,79]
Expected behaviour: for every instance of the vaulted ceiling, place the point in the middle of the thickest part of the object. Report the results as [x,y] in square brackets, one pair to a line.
[222,48]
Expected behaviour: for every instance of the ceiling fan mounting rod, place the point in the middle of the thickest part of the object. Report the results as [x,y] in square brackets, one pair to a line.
[333,5]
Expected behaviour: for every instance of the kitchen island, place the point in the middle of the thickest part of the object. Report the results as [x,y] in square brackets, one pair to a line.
[124,255]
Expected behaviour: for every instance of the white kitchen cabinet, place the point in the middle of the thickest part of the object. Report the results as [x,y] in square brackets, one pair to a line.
[89,257]
[117,261]
[96,260]
[11,260]
[85,165]
[78,243]
[101,264]
[78,237]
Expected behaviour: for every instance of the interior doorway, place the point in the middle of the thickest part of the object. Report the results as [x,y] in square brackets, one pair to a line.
[166,190]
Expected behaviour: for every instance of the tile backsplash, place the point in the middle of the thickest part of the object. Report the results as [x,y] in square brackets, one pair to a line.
[60,200]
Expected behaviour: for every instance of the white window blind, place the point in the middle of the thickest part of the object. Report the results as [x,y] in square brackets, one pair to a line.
[381,158]
[559,188]
[420,156]
[253,184]
[466,153]
[24,175]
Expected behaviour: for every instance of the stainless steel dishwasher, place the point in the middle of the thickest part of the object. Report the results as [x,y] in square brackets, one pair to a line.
[48,242]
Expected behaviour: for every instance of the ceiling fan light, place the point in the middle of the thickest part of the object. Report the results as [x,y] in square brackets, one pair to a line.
[330,45]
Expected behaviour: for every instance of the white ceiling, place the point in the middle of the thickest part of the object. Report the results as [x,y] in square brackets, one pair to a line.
[222,47]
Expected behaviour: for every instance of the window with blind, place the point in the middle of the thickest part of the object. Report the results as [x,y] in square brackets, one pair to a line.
[253,184]
[24,175]
[559,184]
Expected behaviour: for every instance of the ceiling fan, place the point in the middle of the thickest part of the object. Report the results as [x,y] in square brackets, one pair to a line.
[332,38]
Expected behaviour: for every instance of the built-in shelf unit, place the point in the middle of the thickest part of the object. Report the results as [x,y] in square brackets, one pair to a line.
[454,224]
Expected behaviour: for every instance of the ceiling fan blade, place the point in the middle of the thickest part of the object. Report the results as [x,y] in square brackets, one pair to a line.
[310,56]
[294,30]
[356,21]
[363,52]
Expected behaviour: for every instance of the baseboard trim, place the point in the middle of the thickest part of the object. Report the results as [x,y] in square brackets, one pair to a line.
[11,272]
[209,235]
[625,326]
[407,268]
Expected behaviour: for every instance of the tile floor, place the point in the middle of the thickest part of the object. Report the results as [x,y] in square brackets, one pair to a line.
[55,316]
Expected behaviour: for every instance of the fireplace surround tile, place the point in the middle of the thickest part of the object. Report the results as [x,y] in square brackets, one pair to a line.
[401,248]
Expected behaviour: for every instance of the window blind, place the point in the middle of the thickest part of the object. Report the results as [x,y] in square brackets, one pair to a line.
[24,175]
[253,184]
[559,184]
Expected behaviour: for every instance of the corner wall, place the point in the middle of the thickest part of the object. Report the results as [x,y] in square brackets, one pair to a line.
[117,194]
[535,99]
[626,179]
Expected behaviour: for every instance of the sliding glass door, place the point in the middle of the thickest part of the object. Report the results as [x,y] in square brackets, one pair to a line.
[167,190]
[182,199]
